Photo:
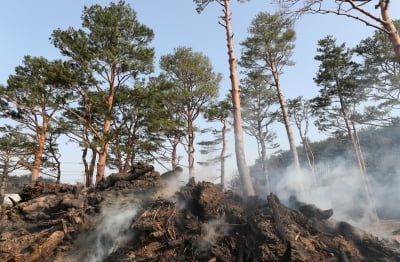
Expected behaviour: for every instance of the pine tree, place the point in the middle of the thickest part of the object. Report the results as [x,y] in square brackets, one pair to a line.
[268,50]
[197,84]
[339,96]
[258,99]
[226,23]
[33,97]
[300,113]
[218,112]
[112,49]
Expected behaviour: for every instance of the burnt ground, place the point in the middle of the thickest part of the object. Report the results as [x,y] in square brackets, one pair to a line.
[135,217]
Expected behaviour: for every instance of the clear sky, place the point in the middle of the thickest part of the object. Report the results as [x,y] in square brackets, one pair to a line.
[27,25]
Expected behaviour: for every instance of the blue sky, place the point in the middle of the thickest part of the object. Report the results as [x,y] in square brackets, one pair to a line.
[27,25]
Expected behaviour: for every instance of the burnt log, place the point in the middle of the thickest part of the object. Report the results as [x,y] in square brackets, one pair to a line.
[42,251]
[136,172]
[310,211]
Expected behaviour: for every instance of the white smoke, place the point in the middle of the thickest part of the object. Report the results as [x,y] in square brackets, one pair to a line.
[212,231]
[340,186]
[111,232]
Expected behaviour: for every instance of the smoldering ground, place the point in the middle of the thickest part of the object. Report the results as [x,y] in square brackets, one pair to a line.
[111,232]
[338,185]
[200,223]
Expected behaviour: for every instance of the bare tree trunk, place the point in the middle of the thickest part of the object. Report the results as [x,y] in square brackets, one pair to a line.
[286,119]
[58,164]
[174,153]
[310,156]
[191,149]
[237,115]
[131,155]
[102,161]
[390,27]
[128,162]
[86,166]
[38,155]
[222,155]
[55,158]
[92,167]
[118,154]
[307,149]
[352,133]
[89,167]
[343,109]
[3,182]
[263,157]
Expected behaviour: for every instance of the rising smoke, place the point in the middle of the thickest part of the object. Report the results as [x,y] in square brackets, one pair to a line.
[111,232]
[338,185]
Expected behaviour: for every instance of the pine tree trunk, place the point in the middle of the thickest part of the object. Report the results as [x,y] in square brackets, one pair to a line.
[3,182]
[38,155]
[86,166]
[307,149]
[222,155]
[118,153]
[310,156]
[174,153]
[343,110]
[89,167]
[130,156]
[263,156]
[127,162]
[237,115]
[286,119]
[92,167]
[102,161]
[58,163]
[352,133]
[191,149]
[390,27]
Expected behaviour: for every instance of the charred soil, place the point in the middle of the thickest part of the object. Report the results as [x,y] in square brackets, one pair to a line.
[130,217]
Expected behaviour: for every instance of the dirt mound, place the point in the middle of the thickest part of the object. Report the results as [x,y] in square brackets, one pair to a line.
[128,218]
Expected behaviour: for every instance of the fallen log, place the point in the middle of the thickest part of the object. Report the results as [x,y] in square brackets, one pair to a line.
[45,249]
[310,211]
[135,173]
[273,204]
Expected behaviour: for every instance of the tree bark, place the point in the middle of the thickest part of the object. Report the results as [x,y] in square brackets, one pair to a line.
[222,155]
[306,146]
[237,115]
[174,153]
[309,155]
[263,157]
[191,148]
[102,161]
[390,27]
[56,159]
[86,166]
[286,119]
[38,155]
[118,154]
[352,133]
[89,167]
[3,182]
[92,166]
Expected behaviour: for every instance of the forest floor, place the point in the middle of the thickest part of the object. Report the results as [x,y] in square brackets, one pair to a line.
[137,217]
